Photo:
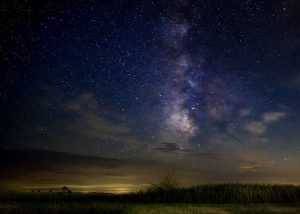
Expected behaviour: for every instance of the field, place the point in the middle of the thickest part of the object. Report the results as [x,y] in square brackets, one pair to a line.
[209,199]
[110,207]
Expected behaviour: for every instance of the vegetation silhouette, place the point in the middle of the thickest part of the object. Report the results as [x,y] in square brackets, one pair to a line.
[167,182]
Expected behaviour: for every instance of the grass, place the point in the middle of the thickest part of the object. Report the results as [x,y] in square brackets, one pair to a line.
[222,198]
[111,207]
[226,193]
[63,207]
[213,208]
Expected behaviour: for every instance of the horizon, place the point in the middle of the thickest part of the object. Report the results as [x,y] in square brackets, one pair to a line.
[37,169]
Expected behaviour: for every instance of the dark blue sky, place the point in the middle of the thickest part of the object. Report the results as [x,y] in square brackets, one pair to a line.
[175,81]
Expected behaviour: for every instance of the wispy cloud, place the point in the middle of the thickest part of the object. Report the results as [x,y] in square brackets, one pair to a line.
[172,148]
[259,127]
[92,121]
[92,125]
[255,168]
[272,117]
[256,127]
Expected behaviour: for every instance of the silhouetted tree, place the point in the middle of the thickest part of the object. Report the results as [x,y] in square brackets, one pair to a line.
[167,182]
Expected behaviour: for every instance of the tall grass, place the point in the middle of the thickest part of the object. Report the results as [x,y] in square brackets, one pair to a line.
[226,193]
[141,208]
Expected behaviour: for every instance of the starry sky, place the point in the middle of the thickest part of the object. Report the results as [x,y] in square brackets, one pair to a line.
[205,87]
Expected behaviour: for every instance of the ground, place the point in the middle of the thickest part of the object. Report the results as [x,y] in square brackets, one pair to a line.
[155,208]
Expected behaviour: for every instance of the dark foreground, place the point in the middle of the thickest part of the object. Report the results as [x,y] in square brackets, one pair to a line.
[111,207]
[225,198]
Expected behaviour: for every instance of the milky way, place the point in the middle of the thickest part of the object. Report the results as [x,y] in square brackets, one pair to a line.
[179,124]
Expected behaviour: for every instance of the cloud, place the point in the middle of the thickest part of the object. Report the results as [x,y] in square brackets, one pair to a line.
[254,168]
[272,117]
[84,102]
[256,127]
[93,125]
[260,127]
[40,168]
[94,122]
[172,148]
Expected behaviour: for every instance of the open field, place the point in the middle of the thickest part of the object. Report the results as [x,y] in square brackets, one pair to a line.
[110,207]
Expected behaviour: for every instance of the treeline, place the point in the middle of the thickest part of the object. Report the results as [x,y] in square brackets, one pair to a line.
[212,193]
[224,193]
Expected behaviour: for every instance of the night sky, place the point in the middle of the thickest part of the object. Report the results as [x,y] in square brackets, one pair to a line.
[209,89]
